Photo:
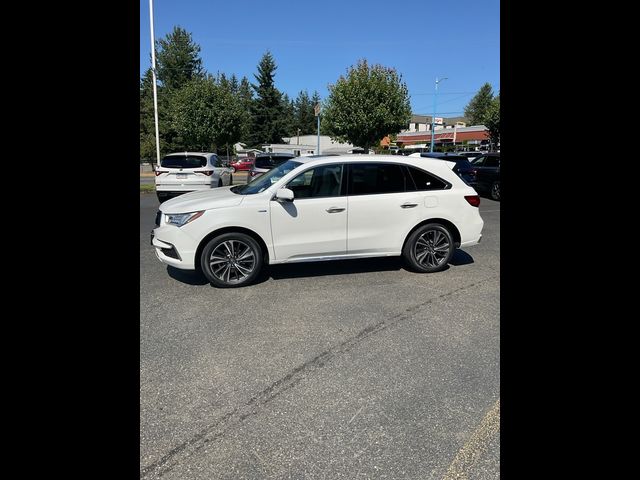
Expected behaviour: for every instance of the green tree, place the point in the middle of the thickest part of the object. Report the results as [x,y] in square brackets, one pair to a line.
[304,115]
[288,116]
[492,120]
[478,106]
[367,104]
[267,125]
[206,115]
[178,59]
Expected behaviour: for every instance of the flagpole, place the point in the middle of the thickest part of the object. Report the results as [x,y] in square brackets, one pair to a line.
[155,87]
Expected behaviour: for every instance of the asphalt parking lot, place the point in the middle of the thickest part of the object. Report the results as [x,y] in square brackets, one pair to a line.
[350,369]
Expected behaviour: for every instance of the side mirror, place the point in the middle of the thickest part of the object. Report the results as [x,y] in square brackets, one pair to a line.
[284,195]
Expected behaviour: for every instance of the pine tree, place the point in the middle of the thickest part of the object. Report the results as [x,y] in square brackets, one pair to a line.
[478,106]
[267,108]
[178,59]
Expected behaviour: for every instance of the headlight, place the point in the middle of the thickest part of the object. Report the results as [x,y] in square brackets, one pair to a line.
[180,219]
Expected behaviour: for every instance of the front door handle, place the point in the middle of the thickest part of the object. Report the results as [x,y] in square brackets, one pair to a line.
[335,210]
[408,205]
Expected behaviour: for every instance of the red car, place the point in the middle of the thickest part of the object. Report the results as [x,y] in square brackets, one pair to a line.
[242,164]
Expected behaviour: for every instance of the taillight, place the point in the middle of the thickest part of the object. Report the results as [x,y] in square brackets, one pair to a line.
[474,200]
[207,172]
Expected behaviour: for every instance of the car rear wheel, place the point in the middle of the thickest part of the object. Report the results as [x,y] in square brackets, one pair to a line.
[429,249]
[219,182]
[230,179]
[495,190]
[231,260]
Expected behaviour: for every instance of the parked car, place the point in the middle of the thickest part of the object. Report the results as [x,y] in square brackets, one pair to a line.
[245,163]
[462,166]
[266,161]
[325,208]
[487,167]
[180,173]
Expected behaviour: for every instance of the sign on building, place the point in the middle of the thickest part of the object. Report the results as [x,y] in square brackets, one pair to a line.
[438,120]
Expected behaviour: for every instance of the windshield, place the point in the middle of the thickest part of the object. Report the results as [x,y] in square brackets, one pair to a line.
[183,161]
[261,183]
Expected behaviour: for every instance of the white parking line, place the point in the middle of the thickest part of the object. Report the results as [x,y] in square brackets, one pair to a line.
[477,444]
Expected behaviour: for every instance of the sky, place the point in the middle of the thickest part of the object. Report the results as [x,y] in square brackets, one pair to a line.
[313,43]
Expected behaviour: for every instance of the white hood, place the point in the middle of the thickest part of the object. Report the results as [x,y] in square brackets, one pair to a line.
[202,200]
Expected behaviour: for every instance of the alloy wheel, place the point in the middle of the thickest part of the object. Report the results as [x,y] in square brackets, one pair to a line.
[431,248]
[232,261]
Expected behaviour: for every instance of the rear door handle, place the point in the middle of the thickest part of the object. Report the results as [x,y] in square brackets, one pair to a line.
[408,205]
[335,210]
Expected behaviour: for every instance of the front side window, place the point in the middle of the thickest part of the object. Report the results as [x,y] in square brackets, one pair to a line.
[373,178]
[492,162]
[322,181]
[215,160]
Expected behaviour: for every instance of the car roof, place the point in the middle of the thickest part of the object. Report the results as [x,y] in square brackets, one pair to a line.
[434,165]
[443,156]
[190,153]
[277,154]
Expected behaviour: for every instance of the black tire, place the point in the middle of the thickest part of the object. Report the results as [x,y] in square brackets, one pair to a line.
[230,179]
[219,182]
[162,197]
[228,264]
[429,249]
[495,190]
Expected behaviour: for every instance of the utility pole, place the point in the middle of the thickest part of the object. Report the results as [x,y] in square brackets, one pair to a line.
[317,112]
[155,87]
[433,119]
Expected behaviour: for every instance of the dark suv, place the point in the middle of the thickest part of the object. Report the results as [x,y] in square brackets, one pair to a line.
[266,161]
[463,167]
[487,167]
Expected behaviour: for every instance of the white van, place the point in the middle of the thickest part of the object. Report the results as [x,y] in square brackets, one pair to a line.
[180,173]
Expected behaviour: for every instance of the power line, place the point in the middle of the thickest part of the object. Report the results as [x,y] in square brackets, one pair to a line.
[452,93]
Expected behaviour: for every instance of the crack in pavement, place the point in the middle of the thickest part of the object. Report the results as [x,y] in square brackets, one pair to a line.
[217,429]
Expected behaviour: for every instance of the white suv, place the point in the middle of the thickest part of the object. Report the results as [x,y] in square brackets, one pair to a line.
[180,173]
[322,208]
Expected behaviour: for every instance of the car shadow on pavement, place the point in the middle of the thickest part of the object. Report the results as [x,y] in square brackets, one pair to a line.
[335,267]
[460,257]
[318,269]
[190,277]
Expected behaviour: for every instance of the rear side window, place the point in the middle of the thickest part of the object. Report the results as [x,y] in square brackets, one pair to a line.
[372,178]
[183,161]
[421,180]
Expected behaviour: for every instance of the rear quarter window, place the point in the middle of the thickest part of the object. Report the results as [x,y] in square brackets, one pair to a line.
[421,181]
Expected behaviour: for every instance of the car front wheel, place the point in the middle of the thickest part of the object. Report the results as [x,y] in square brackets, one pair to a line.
[231,260]
[429,249]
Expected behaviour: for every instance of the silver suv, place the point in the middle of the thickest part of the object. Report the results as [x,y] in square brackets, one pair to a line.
[180,173]
[266,161]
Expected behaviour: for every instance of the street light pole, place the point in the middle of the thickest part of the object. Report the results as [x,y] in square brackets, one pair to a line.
[155,88]
[433,119]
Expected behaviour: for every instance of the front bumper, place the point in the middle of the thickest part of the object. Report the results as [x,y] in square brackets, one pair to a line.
[174,247]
